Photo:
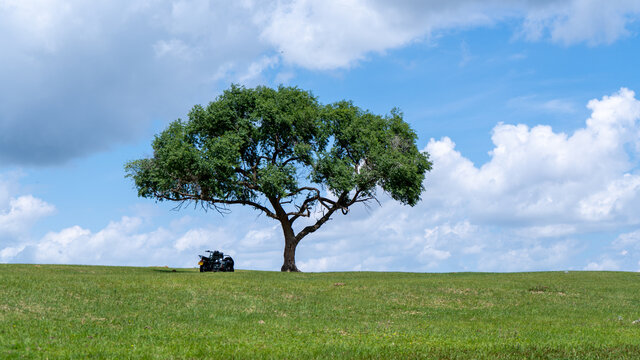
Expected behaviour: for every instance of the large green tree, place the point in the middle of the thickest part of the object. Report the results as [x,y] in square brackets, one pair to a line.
[283,153]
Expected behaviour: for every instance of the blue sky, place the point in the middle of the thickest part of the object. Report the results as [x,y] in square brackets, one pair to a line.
[529,110]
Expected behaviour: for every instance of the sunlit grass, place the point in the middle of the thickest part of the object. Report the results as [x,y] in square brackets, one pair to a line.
[155,313]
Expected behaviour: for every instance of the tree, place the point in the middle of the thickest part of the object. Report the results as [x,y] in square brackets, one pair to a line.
[283,153]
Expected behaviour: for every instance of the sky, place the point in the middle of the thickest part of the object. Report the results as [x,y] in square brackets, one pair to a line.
[530,111]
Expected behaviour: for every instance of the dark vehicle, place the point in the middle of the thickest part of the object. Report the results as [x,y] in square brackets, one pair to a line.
[216,261]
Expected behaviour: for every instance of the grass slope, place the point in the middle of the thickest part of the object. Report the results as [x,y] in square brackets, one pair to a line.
[153,313]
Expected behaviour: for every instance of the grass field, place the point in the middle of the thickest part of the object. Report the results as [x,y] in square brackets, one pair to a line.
[81,312]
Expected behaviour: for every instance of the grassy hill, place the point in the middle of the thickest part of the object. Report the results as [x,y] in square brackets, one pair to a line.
[155,313]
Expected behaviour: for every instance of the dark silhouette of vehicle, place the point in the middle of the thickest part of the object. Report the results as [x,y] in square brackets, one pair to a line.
[216,261]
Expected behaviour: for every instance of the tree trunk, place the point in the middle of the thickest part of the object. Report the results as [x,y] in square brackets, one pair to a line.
[290,244]
[290,241]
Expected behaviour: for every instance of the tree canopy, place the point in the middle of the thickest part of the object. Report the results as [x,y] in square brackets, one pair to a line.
[285,154]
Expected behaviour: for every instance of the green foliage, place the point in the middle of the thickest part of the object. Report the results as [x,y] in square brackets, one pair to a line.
[255,143]
[90,312]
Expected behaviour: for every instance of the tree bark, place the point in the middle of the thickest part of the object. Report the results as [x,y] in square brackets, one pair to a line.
[290,244]
[290,240]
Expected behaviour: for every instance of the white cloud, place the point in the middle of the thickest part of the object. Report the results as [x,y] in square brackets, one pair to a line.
[133,241]
[260,238]
[332,34]
[176,48]
[628,240]
[18,214]
[545,231]
[256,69]
[39,21]
[327,263]
[440,236]
[539,178]
[10,252]
[614,201]
[621,254]
[127,242]
[602,265]
[23,211]
[531,256]
[196,239]
[591,21]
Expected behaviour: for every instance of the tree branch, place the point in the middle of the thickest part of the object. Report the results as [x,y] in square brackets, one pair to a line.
[289,160]
[342,204]
[299,190]
[311,228]
[305,213]
[303,210]
[213,201]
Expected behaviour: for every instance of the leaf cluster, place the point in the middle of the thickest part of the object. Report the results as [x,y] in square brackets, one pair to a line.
[252,144]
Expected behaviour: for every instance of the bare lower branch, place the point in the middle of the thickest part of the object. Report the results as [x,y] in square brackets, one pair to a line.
[212,202]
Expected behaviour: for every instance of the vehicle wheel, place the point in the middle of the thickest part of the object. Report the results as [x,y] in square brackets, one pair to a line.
[228,261]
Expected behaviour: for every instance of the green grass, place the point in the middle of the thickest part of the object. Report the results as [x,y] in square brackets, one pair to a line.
[81,312]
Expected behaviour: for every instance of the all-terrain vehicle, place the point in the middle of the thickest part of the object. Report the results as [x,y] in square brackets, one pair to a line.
[216,261]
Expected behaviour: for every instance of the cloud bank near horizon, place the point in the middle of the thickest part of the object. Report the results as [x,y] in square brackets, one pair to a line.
[81,77]
[527,208]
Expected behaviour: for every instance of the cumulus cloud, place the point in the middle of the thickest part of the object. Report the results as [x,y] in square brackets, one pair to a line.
[18,212]
[325,35]
[120,242]
[135,241]
[23,211]
[17,215]
[129,241]
[539,177]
